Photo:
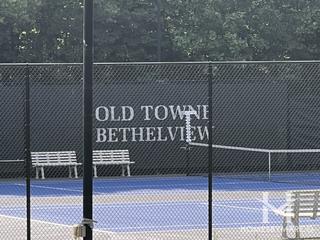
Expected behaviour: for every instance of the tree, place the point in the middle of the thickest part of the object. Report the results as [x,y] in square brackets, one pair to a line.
[54,33]
[128,30]
[12,21]
[245,30]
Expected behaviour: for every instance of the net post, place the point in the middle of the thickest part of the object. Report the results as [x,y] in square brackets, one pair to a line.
[87,115]
[269,174]
[210,148]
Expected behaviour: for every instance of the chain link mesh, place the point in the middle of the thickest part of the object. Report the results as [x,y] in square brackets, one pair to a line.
[12,168]
[265,117]
[274,109]
[140,107]
[56,126]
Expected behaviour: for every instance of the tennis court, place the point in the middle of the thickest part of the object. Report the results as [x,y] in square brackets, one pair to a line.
[161,205]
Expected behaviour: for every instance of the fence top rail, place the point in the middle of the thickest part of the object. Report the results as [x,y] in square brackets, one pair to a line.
[167,63]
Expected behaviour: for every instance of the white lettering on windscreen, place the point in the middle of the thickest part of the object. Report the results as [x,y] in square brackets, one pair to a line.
[169,122]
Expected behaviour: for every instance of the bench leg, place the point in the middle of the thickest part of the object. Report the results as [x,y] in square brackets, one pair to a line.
[284,228]
[70,172]
[128,170]
[75,171]
[37,173]
[95,174]
[122,168]
[296,227]
[42,172]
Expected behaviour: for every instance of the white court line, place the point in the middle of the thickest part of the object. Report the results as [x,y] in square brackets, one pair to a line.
[50,223]
[112,205]
[148,186]
[161,231]
[151,186]
[222,203]
[238,207]
[144,189]
[156,226]
[182,185]
[49,207]
[236,224]
[56,188]
[121,179]
[80,191]
[196,227]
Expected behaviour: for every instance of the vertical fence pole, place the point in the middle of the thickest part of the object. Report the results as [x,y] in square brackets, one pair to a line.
[27,154]
[210,142]
[87,116]
[159,30]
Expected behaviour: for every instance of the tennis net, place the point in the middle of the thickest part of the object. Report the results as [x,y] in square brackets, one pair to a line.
[276,165]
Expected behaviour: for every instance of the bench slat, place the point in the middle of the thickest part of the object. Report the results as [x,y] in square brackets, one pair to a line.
[300,204]
[111,157]
[52,159]
[303,203]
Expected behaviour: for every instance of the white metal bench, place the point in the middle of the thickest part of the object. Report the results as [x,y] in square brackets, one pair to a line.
[111,157]
[53,159]
[300,204]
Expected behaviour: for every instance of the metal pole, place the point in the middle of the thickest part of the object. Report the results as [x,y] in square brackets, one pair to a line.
[159,33]
[27,154]
[210,149]
[87,116]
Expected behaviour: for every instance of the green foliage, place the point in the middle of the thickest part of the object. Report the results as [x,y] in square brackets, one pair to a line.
[124,30]
[54,33]
[12,22]
[127,30]
[246,30]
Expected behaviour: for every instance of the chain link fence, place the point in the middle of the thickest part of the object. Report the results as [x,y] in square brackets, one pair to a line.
[149,181]
[56,128]
[12,142]
[266,144]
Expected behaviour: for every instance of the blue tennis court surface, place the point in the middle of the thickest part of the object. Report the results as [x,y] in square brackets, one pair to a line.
[152,185]
[151,215]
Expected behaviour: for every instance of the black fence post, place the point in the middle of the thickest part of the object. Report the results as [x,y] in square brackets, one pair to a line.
[27,149]
[210,142]
[87,117]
